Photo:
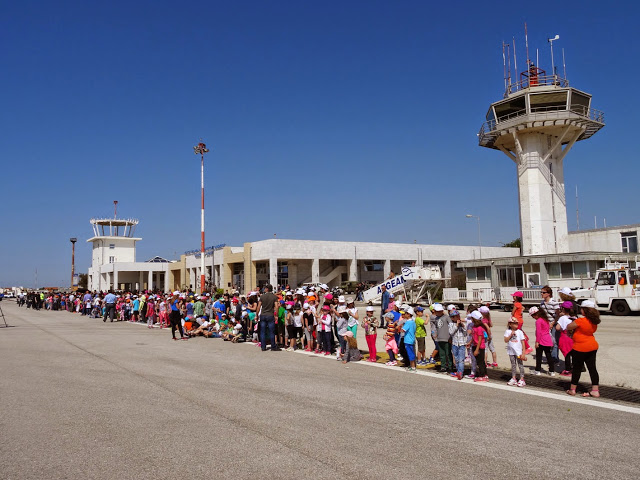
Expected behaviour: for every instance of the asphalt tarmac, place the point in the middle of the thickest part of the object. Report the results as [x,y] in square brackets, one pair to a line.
[87,399]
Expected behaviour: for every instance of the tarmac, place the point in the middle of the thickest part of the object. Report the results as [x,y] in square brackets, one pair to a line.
[87,399]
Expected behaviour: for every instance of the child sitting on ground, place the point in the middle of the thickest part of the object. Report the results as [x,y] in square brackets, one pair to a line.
[352,353]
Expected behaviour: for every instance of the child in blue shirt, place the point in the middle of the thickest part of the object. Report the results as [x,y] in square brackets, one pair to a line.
[409,329]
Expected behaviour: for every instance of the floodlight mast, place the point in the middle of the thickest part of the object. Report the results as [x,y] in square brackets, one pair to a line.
[201,149]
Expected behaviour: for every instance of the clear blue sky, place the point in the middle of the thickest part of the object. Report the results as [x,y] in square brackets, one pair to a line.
[337,120]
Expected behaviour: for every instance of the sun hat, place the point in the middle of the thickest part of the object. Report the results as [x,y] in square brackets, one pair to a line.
[370,309]
[341,299]
[438,307]
[484,309]
[566,291]
[513,320]
[349,334]
[350,300]
[567,304]
[454,313]
[451,307]
[517,294]
[588,304]
[419,309]
[326,307]
[306,305]
[476,315]
[328,296]
[533,310]
[389,315]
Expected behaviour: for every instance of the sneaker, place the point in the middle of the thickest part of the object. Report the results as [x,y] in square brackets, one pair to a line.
[521,383]
[512,382]
[459,376]
[411,370]
[394,363]
[431,361]
[553,374]
[494,365]
[388,364]
[470,376]
[453,374]
[565,373]
[326,354]
[399,357]
[479,379]
[537,373]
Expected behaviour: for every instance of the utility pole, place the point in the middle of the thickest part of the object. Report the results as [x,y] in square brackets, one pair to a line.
[201,149]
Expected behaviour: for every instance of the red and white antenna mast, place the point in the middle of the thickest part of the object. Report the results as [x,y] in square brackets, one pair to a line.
[201,149]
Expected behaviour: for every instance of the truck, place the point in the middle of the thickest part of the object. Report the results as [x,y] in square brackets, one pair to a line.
[616,288]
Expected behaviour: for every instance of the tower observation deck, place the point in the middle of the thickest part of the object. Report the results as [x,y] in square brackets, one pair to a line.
[536,124]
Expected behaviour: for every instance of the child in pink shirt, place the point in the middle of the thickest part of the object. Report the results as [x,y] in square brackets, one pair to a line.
[544,342]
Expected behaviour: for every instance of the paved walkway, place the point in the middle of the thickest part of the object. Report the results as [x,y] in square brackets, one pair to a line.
[85,399]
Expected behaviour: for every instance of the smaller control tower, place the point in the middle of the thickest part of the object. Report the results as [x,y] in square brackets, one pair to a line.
[536,124]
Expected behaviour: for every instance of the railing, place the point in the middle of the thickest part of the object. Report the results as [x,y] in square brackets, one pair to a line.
[585,112]
[536,81]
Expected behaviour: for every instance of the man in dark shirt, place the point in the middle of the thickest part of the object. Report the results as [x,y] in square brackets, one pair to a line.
[266,307]
[386,297]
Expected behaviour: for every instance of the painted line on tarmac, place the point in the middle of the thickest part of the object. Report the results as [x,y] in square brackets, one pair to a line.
[497,386]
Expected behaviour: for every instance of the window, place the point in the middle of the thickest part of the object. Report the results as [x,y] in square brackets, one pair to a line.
[580,270]
[112,246]
[112,259]
[553,270]
[606,278]
[373,266]
[261,268]
[629,242]
[471,274]
[566,270]
[482,273]
[283,273]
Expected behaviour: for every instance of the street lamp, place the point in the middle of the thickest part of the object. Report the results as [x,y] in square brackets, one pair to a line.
[201,149]
[73,241]
[479,241]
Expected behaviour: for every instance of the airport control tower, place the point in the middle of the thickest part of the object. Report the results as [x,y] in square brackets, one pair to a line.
[535,125]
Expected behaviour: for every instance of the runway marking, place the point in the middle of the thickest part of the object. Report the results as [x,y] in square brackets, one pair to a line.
[498,386]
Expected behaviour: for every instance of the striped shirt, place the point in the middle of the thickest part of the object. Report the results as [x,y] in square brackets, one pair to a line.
[551,308]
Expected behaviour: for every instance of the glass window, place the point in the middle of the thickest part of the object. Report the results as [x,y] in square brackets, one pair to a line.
[482,273]
[548,101]
[606,278]
[629,242]
[112,245]
[580,270]
[513,107]
[373,266]
[261,268]
[566,270]
[471,274]
[635,277]
[553,270]
[112,259]
[579,103]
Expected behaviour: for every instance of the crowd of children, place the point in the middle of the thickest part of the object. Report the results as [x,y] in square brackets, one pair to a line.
[317,321]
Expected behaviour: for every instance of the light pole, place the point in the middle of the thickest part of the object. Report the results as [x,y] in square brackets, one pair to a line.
[201,149]
[479,241]
[73,241]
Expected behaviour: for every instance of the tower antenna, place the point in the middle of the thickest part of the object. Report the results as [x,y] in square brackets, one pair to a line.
[509,63]
[553,68]
[564,65]
[504,67]
[537,59]
[515,60]
[115,209]
[577,210]
[526,41]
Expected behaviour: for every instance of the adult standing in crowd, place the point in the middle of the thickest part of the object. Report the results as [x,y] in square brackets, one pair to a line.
[267,307]
[386,297]
[440,322]
[175,317]
[585,347]
[110,306]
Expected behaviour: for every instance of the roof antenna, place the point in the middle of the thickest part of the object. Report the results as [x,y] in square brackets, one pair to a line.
[564,65]
[504,66]
[115,209]
[551,40]
[526,41]
[515,60]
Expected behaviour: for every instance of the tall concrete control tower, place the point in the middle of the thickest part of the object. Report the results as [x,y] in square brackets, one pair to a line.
[536,124]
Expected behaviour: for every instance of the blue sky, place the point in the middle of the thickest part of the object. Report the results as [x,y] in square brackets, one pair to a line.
[336,120]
